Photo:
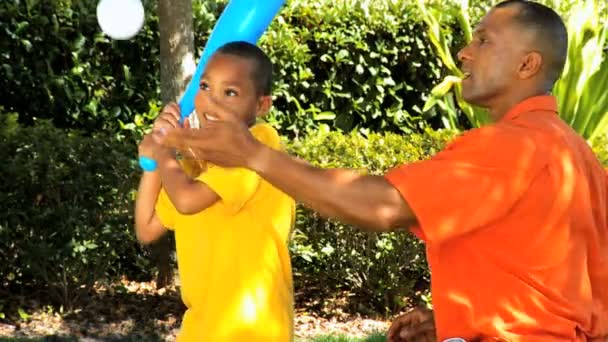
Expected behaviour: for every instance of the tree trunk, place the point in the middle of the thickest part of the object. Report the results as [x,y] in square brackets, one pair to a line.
[176,69]
[176,47]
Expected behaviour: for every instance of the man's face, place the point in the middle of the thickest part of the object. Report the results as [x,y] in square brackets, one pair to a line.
[491,60]
[227,91]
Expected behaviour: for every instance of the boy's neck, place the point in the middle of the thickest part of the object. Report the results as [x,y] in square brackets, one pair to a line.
[252,123]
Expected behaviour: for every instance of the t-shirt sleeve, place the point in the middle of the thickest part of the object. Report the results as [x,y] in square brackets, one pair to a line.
[236,186]
[165,210]
[475,180]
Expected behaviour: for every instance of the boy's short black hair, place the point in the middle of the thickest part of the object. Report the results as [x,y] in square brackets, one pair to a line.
[262,71]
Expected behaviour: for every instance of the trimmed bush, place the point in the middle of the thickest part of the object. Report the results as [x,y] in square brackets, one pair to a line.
[351,65]
[56,64]
[378,271]
[600,147]
[67,216]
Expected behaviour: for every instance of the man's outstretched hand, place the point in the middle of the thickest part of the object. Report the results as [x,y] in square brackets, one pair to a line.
[417,325]
[223,143]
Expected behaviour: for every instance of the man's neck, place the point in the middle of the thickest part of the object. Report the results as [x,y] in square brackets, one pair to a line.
[499,110]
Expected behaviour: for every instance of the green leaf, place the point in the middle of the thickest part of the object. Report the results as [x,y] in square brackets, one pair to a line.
[430,103]
[445,86]
[24,316]
[27,45]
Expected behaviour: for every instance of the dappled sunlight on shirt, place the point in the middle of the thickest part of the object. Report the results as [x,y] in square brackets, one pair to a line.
[514,216]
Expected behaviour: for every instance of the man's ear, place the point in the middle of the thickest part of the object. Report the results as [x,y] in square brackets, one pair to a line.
[264,104]
[531,64]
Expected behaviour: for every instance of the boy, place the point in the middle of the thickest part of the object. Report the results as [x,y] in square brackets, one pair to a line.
[231,226]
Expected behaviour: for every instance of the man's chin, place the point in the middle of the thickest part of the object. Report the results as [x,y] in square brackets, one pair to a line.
[468,98]
[472,98]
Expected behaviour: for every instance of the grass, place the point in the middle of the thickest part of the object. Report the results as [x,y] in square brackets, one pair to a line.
[37,339]
[75,339]
[378,337]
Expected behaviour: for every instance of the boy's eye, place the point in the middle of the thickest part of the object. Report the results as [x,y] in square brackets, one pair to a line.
[231,92]
[204,86]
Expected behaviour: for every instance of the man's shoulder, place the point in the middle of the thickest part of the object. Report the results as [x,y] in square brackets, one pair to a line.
[488,137]
[497,146]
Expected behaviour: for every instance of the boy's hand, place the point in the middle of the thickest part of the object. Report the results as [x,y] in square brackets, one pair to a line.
[168,118]
[149,145]
[417,325]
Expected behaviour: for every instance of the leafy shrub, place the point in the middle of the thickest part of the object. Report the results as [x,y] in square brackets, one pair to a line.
[600,147]
[378,270]
[350,64]
[67,220]
[56,64]
[355,65]
[579,90]
[67,205]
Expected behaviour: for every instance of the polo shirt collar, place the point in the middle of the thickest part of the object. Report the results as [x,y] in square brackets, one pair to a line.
[543,103]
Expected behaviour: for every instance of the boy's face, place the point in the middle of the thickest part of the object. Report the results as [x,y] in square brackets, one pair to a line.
[228,93]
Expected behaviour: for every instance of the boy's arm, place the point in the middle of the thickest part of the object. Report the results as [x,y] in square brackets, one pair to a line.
[187,195]
[148,227]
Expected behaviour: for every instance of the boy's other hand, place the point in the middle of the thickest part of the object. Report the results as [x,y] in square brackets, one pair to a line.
[150,145]
[168,118]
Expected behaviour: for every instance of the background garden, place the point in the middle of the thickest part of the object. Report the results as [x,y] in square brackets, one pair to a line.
[360,84]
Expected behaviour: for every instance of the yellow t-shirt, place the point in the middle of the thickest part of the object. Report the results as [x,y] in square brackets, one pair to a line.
[232,257]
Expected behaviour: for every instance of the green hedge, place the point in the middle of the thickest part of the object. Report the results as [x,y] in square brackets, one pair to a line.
[600,146]
[67,216]
[55,64]
[378,271]
[361,64]
[351,64]
[69,222]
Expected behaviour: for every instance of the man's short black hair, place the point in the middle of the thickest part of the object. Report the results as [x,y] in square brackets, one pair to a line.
[262,69]
[550,32]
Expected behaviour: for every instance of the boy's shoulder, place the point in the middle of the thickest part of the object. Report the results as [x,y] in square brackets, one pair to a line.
[266,134]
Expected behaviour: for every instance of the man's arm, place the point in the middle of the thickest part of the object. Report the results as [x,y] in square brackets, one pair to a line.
[369,202]
[187,195]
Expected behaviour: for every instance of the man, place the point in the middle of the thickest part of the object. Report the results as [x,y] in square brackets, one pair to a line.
[514,214]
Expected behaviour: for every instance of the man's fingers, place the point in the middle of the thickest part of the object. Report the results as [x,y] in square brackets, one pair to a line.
[175,139]
[184,138]
[398,324]
[423,329]
[416,325]
[430,336]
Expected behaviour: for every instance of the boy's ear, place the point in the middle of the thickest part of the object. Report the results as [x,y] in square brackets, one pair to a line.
[264,104]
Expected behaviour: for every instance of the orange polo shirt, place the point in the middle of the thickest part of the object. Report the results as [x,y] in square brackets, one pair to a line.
[514,216]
